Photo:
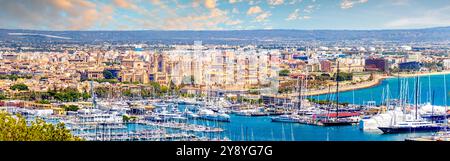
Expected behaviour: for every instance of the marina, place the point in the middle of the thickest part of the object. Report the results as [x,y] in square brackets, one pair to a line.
[177,119]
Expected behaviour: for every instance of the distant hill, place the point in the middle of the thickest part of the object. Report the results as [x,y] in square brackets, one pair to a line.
[231,36]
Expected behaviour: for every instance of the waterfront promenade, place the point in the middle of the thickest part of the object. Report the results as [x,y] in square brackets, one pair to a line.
[347,87]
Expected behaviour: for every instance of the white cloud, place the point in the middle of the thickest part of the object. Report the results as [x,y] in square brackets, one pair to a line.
[254,2]
[296,16]
[211,4]
[254,10]
[275,2]
[233,22]
[292,2]
[309,8]
[234,1]
[263,17]
[346,4]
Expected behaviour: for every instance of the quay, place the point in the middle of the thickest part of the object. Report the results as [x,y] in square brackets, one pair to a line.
[183,126]
[136,136]
[439,136]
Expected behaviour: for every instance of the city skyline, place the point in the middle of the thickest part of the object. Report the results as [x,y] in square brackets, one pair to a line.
[223,14]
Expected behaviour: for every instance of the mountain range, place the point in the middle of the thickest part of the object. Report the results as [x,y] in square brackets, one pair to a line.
[437,34]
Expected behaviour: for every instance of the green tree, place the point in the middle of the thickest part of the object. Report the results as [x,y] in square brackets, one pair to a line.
[68,95]
[17,129]
[20,87]
[371,77]
[192,80]
[112,81]
[107,74]
[127,93]
[101,92]
[164,89]
[323,77]
[155,85]
[13,77]
[85,95]
[127,118]
[284,73]
[145,92]
[2,96]
[71,108]
[43,101]
[344,76]
[254,91]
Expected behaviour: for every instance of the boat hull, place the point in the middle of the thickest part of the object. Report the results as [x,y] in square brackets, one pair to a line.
[214,119]
[338,123]
[395,130]
[284,120]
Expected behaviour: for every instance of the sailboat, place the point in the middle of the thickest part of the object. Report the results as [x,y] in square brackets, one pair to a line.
[393,113]
[336,118]
[295,116]
[414,125]
[443,134]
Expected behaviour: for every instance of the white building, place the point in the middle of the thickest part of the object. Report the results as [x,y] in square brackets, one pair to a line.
[446,64]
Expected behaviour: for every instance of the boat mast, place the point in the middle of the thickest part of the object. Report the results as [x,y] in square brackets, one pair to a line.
[388,101]
[337,91]
[299,93]
[94,102]
[353,97]
[432,108]
[429,87]
[417,93]
[329,96]
[445,99]
[399,86]
[382,97]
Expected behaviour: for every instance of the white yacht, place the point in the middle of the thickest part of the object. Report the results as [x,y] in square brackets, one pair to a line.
[207,114]
[417,125]
[383,119]
[287,118]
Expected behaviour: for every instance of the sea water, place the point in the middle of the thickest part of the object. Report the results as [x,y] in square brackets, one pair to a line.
[242,128]
[427,85]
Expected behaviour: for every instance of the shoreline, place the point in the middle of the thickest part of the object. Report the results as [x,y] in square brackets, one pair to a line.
[421,74]
[377,80]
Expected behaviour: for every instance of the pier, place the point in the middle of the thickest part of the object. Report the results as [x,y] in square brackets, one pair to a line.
[144,135]
[182,126]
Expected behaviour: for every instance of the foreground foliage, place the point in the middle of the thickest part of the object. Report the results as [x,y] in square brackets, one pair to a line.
[15,128]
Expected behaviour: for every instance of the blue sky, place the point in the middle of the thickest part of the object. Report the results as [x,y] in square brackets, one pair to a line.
[222,14]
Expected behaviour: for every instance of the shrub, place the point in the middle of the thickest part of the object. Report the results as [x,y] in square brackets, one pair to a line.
[20,87]
[16,129]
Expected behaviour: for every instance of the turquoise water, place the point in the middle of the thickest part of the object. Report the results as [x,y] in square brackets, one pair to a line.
[376,93]
[262,129]
[243,128]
